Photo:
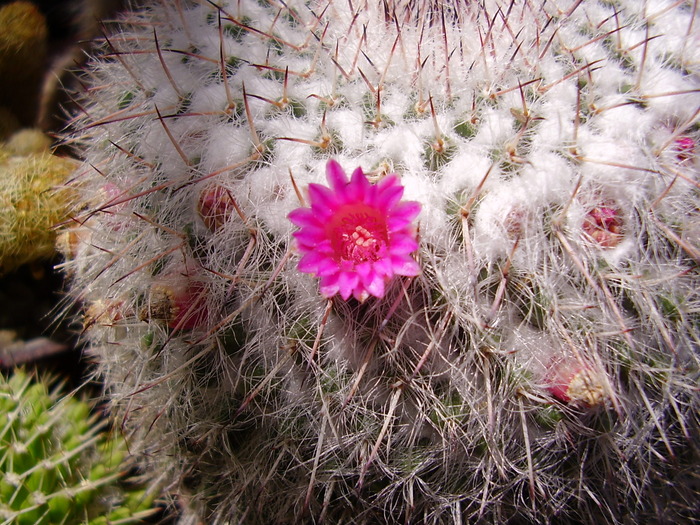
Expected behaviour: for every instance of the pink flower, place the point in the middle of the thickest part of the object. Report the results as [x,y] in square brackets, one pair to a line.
[356,236]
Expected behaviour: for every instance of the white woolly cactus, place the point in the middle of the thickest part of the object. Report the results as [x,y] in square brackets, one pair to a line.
[535,358]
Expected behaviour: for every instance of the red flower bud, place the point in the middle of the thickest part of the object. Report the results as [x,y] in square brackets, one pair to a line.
[178,301]
[603,224]
[215,206]
[685,148]
[572,381]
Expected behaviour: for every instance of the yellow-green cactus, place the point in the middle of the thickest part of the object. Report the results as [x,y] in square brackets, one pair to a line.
[31,201]
[28,141]
[23,43]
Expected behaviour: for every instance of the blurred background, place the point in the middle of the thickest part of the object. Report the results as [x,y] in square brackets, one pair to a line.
[43,44]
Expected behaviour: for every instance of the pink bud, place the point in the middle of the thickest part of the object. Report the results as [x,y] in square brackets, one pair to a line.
[215,206]
[572,381]
[516,221]
[603,224]
[685,148]
[178,301]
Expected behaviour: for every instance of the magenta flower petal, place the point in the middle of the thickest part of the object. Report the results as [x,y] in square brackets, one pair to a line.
[408,210]
[403,244]
[309,238]
[365,270]
[356,236]
[329,286]
[311,262]
[347,282]
[336,176]
[390,181]
[383,268]
[389,194]
[323,200]
[404,266]
[303,217]
[402,216]
[359,186]
[327,267]
[375,287]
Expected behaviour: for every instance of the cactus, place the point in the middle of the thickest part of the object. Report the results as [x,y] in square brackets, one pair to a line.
[542,366]
[23,49]
[33,198]
[58,463]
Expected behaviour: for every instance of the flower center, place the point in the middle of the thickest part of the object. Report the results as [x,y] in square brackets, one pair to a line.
[358,234]
[361,245]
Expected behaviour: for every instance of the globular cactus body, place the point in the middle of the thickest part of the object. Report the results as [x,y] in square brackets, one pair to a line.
[543,364]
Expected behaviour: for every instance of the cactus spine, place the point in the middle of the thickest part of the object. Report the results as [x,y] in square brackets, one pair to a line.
[544,363]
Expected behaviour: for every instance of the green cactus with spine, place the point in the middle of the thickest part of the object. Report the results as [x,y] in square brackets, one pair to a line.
[293,348]
[59,464]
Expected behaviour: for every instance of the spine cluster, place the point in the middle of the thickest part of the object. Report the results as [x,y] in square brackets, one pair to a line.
[539,361]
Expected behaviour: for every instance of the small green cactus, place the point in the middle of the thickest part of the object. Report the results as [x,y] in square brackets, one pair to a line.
[58,464]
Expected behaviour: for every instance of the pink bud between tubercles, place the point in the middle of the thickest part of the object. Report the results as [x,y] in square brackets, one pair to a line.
[215,206]
[603,224]
[179,302]
[685,148]
[572,381]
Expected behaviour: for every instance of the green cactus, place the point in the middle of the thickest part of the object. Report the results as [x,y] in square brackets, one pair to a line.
[59,464]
